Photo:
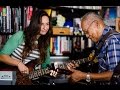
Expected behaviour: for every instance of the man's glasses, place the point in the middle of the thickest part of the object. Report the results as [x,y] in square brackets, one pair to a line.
[86,31]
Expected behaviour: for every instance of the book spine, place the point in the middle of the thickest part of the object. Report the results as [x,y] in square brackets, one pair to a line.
[4,19]
[8,17]
[0,19]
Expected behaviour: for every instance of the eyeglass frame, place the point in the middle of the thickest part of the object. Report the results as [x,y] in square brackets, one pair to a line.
[86,31]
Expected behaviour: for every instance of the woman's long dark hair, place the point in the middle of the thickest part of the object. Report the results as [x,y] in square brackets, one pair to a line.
[32,31]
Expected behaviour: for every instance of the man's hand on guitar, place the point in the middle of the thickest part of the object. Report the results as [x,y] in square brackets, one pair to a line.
[22,68]
[76,75]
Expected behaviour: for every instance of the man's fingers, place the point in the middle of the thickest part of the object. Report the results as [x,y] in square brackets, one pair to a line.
[25,71]
[68,76]
[71,69]
[77,65]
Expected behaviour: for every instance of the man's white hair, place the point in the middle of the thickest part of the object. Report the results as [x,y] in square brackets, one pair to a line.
[91,16]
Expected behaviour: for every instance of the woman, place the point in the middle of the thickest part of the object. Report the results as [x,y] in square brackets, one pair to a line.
[29,44]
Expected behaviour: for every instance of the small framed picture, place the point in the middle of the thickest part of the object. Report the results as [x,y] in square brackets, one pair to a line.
[118,24]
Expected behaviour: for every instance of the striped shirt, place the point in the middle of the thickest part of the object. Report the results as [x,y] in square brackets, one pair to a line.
[109,55]
[17,54]
[14,47]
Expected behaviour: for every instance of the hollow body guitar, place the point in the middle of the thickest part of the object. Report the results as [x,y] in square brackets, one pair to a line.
[35,74]
[25,79]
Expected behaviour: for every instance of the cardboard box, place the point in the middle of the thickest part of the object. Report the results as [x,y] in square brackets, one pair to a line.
[61,31]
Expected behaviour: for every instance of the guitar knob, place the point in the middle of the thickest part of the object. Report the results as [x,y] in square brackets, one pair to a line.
[53,83]
[55,65]
[90,57]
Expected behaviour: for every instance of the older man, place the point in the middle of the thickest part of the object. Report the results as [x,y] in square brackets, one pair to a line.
[94,28]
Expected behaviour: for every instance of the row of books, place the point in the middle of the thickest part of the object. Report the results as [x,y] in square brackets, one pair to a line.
[28,10]
[10,19]
[59,45]
[80,43]
[13,19]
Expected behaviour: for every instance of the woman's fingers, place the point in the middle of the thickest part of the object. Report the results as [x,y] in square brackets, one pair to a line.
[53,73]
[26,71]
[70,65]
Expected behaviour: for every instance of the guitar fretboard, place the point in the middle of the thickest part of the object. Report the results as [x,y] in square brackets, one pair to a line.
[41,72]
[79,61]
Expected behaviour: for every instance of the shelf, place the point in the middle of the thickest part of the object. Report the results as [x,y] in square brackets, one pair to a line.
[84,7]
[4,33]
[69,35]
[59,58]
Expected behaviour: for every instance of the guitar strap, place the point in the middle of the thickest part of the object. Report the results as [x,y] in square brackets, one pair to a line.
[102,41]
[115,79]
[96,51]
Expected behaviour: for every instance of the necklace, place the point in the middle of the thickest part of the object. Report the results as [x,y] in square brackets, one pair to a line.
[36,42]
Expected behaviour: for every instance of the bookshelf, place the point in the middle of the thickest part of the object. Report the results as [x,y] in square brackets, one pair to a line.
[65,37]
[10,22]
[68,41]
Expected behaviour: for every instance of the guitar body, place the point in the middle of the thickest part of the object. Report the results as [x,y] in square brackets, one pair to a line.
[21,79]
[115,79]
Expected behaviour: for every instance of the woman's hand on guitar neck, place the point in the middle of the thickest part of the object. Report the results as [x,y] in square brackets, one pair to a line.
[22,68]
[53,72]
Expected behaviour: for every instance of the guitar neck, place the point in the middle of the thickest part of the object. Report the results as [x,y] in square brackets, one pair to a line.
[79,61]
[39,72]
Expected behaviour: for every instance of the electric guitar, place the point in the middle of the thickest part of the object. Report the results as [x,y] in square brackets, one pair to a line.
[25,79]
[77,63]
[34,74]
[64,70]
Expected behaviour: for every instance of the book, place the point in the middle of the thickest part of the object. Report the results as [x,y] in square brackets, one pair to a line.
[110,14]
[118,24]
